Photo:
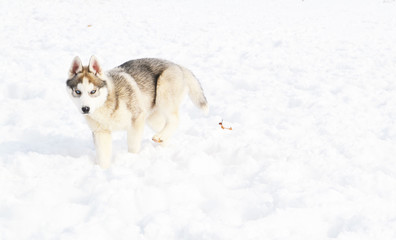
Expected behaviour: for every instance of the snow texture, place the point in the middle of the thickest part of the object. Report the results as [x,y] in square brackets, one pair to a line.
[308,88]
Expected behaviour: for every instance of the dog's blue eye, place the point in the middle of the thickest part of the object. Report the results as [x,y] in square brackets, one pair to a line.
[77,92]
[93,91]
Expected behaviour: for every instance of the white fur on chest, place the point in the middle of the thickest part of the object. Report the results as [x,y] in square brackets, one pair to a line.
[121,119]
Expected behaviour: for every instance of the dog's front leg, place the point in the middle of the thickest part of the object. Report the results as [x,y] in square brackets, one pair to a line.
[102,141]
[135,133]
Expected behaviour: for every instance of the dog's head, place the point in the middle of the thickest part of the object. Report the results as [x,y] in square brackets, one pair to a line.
[86,85]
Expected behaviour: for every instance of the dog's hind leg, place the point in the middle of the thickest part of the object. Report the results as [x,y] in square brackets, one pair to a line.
[103,147]
[171,89]
[172,122]
[156,121]
[135,134]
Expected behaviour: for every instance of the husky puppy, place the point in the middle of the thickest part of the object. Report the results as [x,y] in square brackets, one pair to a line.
[124,98]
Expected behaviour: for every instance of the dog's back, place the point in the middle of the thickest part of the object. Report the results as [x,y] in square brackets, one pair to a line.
[148,71]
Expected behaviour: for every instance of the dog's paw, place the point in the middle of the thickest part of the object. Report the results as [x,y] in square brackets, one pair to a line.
[157,139]
[104,164]
[161,141]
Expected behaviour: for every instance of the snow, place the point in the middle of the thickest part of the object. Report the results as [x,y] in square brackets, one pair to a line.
[308,88]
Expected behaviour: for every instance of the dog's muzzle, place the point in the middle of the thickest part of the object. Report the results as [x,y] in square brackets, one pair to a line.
[85,110]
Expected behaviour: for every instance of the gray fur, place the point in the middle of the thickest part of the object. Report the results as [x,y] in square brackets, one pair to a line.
[146,72]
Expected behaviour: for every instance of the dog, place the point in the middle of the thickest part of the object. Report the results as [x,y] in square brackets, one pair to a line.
[147,90]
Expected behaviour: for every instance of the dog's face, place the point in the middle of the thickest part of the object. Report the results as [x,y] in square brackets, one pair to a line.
[86,86]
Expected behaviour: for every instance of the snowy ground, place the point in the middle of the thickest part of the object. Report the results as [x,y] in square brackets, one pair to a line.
[307,86]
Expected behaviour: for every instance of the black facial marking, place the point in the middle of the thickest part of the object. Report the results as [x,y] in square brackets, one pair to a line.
[72,83]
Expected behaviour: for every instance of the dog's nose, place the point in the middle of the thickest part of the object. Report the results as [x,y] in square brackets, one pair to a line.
[85,109]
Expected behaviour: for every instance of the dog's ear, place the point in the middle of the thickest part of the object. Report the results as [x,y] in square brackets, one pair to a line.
[76,67]
[94,66]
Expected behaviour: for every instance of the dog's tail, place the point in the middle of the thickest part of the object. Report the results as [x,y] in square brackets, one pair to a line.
[195,91]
